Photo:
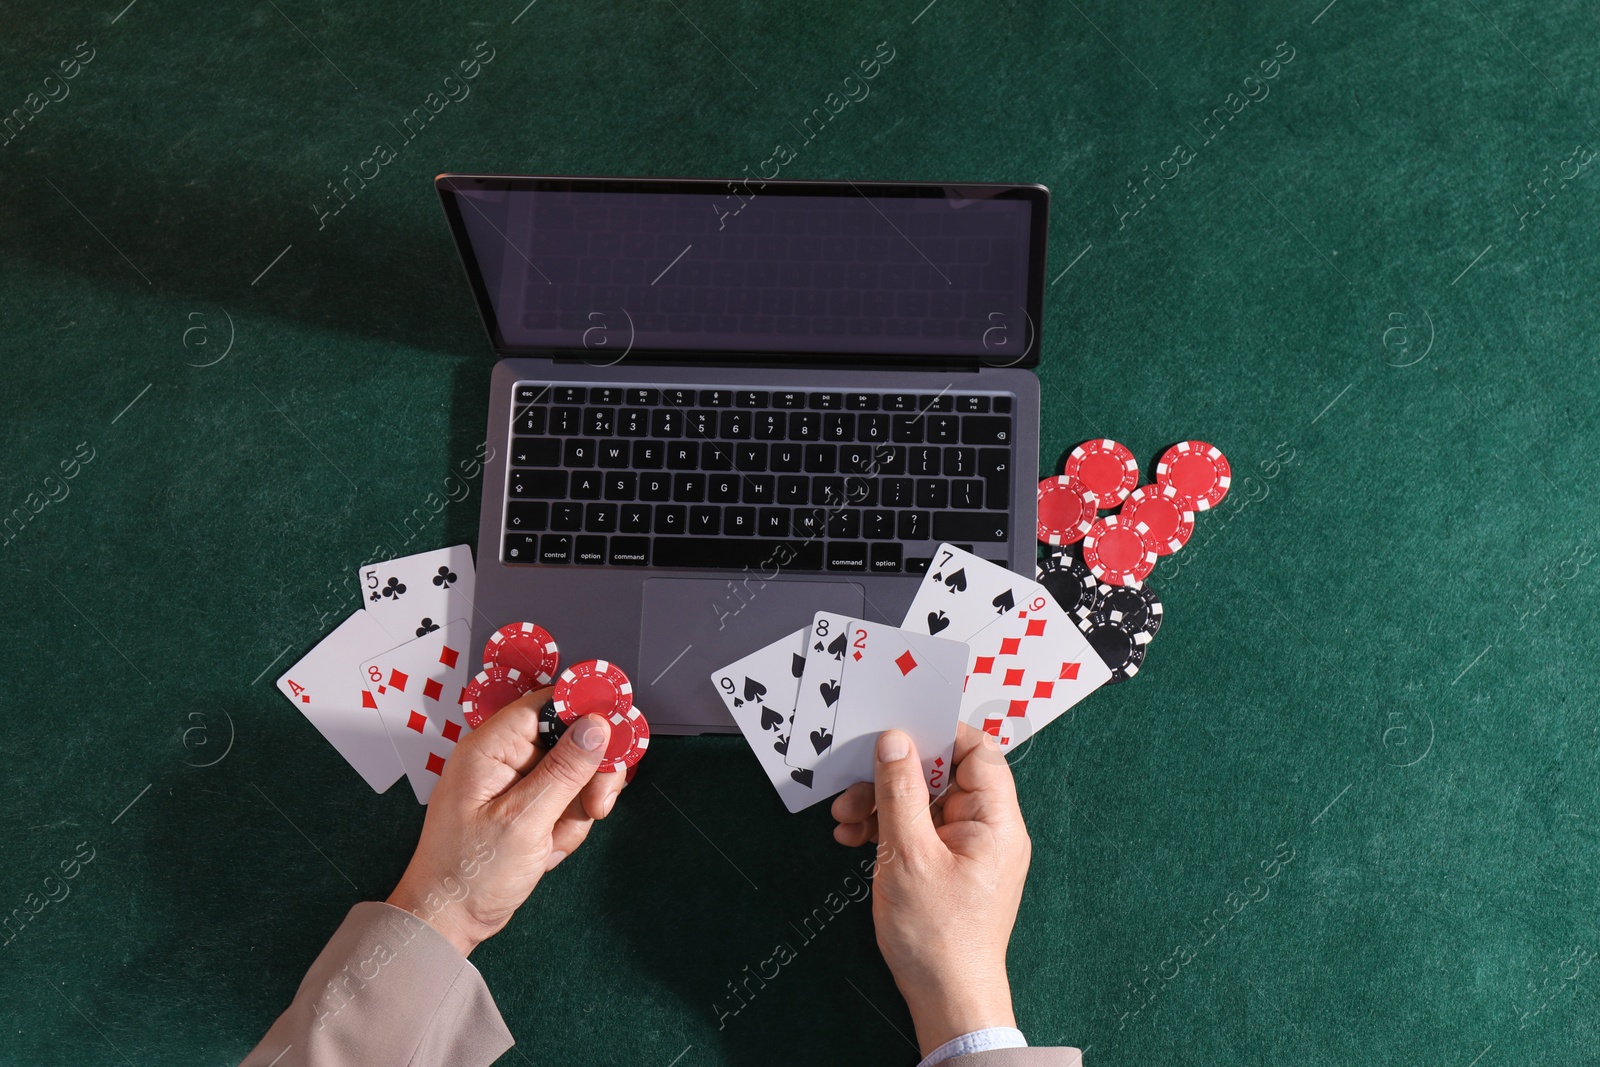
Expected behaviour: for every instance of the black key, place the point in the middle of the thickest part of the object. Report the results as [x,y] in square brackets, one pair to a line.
[649,455]
[579,452]
[529,420]
[672,519]
[629,551]
[734,554]
[809,522]
[861,489]
[678,398]
[857,459]
[633,422]
[970,404]
[533,394]
[715,456]
[786,457]
[827,401]
[648,398]
[702,423]
[600,518]
[936,402]
[971,526]
[891,459]
[966,493]
[846,522]
[527,515]
[688,488]
[623,485]
[943,429]
[885,558]
[985,430]
[773,522]
[566,420]
[918,564]
[838,426]
[847,555]
[615,454]
[872,427]
[683,456]
[655,487]
[666,423]
[861,401]
[960,462]
[821,459]
[569,394]
[770,426]
[705,521]
[895,492]
[605,394]
[750,457]
[566,517]
[722,488]
[827,489]
[805,426]
[994,467]
[716,398]
[555,548]
[586,485]
[878,525]
[739,522]
[793,489]
[521,548]
[735,425]
[913,526]
[547,485]
[1002,403]
[899,402]
[933,493]
[535,452]
[759,489]
[590,550]
[788,400]
[923,460]
[634,518]
[908,429]
[752,398]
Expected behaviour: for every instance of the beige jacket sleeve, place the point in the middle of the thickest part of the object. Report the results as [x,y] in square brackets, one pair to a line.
[1019,1057]
[387,989]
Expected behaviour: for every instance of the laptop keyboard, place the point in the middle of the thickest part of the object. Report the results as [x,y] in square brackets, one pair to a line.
[863,482]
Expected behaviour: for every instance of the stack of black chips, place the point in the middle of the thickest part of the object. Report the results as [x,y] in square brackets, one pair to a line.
[1118,620]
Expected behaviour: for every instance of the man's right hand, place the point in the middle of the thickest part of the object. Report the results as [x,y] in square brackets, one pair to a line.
[948,880]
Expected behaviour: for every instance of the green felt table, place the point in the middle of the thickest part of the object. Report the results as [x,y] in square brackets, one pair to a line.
[1345,814]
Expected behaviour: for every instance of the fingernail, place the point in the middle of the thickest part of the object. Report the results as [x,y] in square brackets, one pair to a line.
[893,745]
[610,802]
[591,736]
[555,858]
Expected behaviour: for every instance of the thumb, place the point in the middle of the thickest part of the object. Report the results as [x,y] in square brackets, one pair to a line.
[544,792]
[904,821]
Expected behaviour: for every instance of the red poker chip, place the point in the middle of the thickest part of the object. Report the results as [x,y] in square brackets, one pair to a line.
[1106,470]
[593,687]
[1198,471]
[1066,511]
[630,738]
[525,646]
[1116,553]
[1159,507]
[492,689]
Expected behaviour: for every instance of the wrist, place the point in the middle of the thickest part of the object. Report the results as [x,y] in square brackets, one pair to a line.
[439,912]
[942,1014]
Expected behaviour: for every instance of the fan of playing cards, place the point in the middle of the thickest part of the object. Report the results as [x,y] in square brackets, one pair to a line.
[980,644]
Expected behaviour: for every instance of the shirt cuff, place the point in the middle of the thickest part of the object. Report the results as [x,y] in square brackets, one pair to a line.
[992,1037]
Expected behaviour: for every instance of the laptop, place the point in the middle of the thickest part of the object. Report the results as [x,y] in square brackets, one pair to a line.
[721,407]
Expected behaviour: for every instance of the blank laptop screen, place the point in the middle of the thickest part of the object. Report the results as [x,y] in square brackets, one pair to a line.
[706,268]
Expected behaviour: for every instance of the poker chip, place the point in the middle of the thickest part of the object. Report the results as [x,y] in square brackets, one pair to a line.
[1198,471]
[1116,553]
[1070,584]
[1066,511]
[1106,470]
[551,726]
[593,687]
[1122,650]
[1134,608]
[630,738]
[525,646]
[492,689]
[1159,507]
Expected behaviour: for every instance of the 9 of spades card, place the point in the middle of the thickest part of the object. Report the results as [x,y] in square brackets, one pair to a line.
[415,595]
[818,700]
[759,692]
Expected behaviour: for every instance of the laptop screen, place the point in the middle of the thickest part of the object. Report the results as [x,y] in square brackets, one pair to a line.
[705,270]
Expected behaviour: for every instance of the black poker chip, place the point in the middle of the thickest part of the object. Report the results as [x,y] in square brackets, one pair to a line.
[1121,649]
[1069,583]
[1134,608]
[550,725]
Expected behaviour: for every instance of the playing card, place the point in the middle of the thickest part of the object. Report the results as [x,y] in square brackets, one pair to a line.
[415,595]
[818,700]
[894,679]
[326,686]
[962,593]
[417,687]
[759,691]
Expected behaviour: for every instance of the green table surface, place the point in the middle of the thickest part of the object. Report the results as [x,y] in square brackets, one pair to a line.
[1345,814]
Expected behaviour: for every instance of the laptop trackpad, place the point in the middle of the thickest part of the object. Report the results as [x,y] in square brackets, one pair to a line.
[690,627]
